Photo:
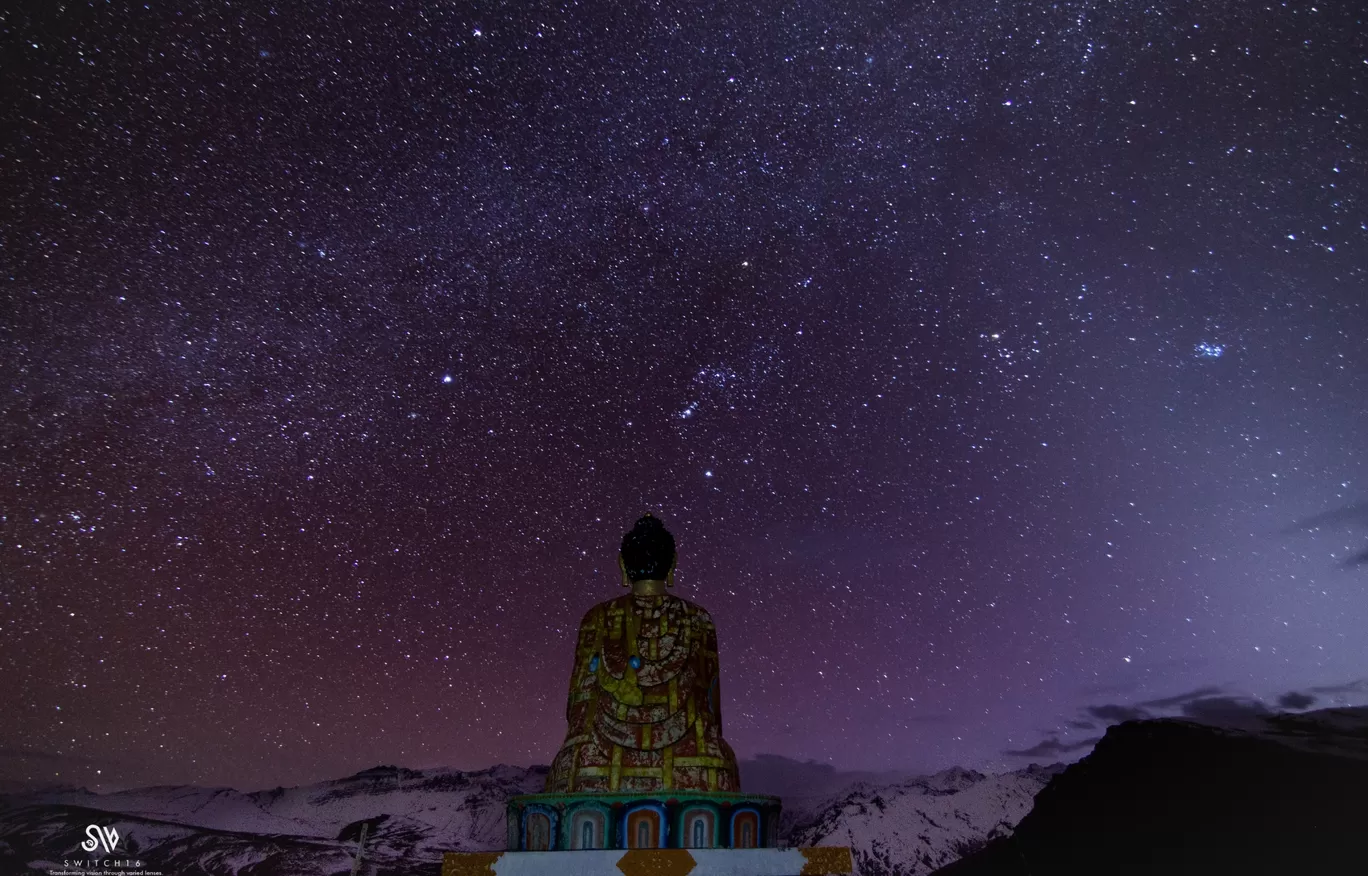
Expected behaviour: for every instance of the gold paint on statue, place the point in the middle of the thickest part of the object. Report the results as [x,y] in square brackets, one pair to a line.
[662,711]
[625,690]
[718,762]
[648,587]
[656,862]
[641,772]
[823,860]
[469,863]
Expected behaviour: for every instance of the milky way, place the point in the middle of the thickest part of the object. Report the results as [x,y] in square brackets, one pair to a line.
[985,359]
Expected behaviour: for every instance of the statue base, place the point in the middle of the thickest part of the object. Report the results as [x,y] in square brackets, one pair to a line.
[661,833]
[664,819]
[652,862]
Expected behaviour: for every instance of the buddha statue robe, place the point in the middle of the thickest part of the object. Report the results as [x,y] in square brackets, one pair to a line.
[644,710]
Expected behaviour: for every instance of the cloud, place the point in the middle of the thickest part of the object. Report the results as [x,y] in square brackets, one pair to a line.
[1357,513]
[1296,700]
[1228,711]
[1208,704]
[1179,699]
[1052,747]
[1349,515]
[787,777]
[1357,686]
[1115,714]
[1305,699]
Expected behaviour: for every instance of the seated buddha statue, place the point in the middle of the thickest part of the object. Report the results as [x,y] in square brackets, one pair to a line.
[644,710]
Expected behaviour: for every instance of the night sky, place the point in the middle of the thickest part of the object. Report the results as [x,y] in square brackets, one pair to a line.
[1001,370]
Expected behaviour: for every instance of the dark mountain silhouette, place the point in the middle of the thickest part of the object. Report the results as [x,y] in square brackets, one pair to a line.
[1176,797]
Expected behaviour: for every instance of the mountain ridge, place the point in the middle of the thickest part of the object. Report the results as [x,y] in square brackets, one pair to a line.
[415,815]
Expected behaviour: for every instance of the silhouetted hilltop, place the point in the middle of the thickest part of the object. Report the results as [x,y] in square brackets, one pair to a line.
[1176,797]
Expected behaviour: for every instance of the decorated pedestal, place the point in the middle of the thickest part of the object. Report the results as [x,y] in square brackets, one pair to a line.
[664,820]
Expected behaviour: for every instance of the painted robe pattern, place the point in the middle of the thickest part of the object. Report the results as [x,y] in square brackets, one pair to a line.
[644,711]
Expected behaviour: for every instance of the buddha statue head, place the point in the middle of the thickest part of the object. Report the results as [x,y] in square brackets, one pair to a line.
[647,558]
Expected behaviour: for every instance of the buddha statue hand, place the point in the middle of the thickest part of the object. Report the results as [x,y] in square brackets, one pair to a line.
[625,689]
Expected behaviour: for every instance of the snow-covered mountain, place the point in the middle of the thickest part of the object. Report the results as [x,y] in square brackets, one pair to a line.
[916,826]
[808,788]
[415,815]
[895,824]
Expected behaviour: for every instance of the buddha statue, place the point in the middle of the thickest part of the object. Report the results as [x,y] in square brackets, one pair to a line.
[644,709]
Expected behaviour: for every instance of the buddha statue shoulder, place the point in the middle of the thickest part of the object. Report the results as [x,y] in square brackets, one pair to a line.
[644,708]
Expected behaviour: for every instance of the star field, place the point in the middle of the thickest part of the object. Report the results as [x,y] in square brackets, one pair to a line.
[984,360]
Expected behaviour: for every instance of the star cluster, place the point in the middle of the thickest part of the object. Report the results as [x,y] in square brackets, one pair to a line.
[982,358]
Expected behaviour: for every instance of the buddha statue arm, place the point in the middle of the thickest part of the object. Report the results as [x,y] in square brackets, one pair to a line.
[711,674]
[581,676]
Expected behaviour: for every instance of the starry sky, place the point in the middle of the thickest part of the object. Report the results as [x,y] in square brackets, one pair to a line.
[1000,369]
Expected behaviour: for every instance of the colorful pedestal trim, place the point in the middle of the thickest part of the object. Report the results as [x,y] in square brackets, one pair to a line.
[663,820]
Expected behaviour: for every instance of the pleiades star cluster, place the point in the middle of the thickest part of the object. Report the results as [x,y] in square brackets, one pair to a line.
[1001,369]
